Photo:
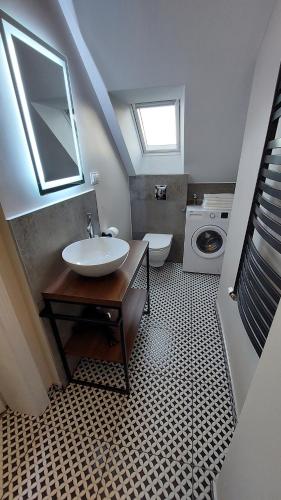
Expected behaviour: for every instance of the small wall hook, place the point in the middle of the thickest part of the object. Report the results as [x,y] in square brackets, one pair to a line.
[231,293]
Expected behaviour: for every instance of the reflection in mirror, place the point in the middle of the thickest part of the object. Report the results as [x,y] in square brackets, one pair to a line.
[42,86]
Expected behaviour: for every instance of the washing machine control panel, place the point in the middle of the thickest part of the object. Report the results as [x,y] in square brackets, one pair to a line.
[218,215]
[196,213]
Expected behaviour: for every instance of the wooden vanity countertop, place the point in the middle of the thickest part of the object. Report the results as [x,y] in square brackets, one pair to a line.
[108,290]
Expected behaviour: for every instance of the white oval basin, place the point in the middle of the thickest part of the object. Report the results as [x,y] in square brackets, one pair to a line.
[96,256]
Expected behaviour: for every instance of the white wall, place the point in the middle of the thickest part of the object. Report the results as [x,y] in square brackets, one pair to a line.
[252,467]
[149,164]
[20,383]
[210,47]
[153,164]
[128,129]
[18,188]
[243,360]
[242,357]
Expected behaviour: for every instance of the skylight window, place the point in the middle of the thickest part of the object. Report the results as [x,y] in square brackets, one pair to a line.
[158,126]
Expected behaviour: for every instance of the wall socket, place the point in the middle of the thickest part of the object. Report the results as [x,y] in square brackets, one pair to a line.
[94,178]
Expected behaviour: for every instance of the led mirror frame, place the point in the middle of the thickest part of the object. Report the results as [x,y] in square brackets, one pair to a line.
[10,28]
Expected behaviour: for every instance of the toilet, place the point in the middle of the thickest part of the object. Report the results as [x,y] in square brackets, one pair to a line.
[159,248]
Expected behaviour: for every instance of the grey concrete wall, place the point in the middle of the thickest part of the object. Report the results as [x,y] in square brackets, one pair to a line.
[160,216]
[208,187]
[42,235]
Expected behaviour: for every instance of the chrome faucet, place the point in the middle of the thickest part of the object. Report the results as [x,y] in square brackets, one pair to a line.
[90,228]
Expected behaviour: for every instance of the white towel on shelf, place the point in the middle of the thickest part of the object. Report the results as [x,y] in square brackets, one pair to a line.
[217,205]
[224,196]
[218,200]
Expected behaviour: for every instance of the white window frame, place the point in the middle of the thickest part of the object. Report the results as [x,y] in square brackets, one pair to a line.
[165,149]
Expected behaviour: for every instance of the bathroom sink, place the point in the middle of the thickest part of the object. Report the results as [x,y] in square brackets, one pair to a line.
[96,256]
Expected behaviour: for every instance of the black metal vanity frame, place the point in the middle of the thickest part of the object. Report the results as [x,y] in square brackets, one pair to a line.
[47,312]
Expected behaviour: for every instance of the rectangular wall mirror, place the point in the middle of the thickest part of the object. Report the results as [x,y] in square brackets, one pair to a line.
[42,85]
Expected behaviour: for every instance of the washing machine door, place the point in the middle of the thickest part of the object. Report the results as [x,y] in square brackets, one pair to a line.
[209,241]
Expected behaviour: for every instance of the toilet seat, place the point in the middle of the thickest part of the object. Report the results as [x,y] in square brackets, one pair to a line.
[158,242]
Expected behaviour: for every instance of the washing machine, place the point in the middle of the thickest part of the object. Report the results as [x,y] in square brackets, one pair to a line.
[205,239]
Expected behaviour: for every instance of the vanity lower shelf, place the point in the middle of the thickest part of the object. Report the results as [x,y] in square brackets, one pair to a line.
[89,341]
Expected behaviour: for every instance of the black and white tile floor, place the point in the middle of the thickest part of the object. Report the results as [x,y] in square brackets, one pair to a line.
[167,440]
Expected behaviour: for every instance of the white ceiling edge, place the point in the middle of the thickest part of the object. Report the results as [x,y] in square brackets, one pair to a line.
[97,83]
[149,94]
[211,47]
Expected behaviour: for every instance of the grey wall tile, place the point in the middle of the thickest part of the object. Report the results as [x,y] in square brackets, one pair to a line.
[160,216]
[142,187]
[42,235]
[154,216]
[40,238]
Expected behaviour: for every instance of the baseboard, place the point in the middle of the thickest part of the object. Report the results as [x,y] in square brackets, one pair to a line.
[228,367]
[214,493]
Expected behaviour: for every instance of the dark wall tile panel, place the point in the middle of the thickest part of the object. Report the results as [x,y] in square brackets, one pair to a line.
[160,216]
[42,235]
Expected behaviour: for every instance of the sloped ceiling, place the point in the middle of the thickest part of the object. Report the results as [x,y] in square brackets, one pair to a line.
[210,46]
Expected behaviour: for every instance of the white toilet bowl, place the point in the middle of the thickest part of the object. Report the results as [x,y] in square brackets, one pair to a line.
[159,248]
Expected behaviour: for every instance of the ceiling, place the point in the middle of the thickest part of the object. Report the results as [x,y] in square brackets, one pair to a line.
[210,46]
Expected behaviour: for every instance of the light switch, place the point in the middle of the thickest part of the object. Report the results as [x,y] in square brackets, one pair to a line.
[94,178]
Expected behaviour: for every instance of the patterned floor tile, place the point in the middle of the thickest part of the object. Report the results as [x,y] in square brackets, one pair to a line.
[202,294]
[100,372]
[157,418]
[207,353]
[201,484]
[167,311]
[170,275]
[80,409]
[16,435]
[60,465]
[213,425]
[169,290]
[205,320]
[167,439]
[131,475]
[208,361]
[204,285]
[159,348]
[181,359]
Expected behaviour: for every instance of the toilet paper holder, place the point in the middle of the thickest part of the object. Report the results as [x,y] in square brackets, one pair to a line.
[110,232]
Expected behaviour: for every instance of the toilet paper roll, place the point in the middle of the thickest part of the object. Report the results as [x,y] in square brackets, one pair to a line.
[114,231]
